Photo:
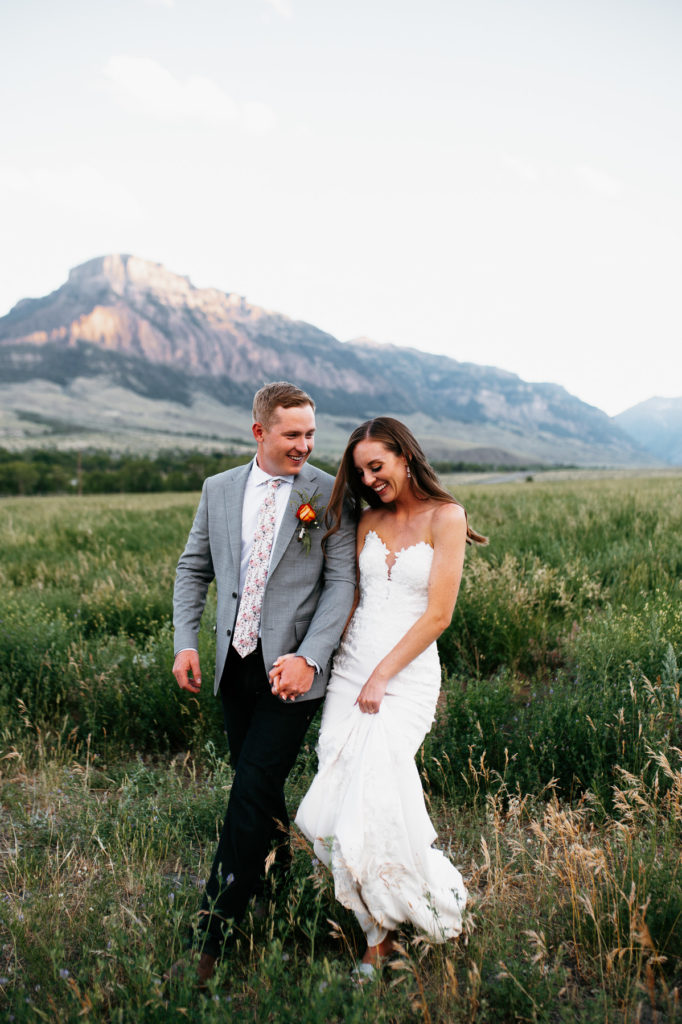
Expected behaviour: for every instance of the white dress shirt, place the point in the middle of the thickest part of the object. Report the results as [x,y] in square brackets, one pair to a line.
[254,496]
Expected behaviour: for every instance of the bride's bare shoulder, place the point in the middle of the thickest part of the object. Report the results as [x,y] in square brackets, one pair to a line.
[368,521]
[448,517]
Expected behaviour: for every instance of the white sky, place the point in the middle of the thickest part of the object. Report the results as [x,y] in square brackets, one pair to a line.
[496,180]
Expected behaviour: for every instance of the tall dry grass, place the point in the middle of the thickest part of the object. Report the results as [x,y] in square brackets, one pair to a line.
[553,776]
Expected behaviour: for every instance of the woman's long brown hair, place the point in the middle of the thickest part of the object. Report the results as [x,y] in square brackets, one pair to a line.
[396,437]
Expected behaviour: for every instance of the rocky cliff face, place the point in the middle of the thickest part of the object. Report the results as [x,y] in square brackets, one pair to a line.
[124,304]
[153,332]
[128,305]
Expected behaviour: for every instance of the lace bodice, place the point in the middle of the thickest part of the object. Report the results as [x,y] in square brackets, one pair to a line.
[391,601]
[405,583]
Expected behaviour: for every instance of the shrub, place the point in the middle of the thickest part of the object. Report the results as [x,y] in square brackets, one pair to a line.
[571,736]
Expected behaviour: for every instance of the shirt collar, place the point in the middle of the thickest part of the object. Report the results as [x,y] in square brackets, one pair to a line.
[259,476]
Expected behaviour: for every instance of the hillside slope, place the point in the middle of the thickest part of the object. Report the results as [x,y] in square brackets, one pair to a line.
[137,327]
[657,426]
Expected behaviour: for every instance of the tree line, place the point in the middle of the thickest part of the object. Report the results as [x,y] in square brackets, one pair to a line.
[50,471]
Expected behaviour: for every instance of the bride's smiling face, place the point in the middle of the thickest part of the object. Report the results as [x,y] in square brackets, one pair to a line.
[380,469]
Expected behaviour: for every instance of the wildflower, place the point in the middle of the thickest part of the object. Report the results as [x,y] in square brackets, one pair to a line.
[63,973]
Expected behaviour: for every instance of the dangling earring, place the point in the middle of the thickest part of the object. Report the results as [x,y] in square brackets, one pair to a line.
[409,475]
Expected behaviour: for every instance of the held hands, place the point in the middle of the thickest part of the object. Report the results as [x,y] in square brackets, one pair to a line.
[187,671]
[371,695]
[290,676]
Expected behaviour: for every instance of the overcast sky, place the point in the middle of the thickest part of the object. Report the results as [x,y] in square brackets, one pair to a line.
[496,180]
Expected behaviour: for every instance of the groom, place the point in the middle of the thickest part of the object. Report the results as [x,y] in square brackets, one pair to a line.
[278,593]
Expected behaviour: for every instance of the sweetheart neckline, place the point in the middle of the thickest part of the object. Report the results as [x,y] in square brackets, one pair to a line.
[396,554]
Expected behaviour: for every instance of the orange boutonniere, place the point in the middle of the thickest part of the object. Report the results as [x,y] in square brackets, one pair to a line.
[308,514]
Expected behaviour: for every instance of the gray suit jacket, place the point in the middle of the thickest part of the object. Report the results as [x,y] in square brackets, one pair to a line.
[307,597]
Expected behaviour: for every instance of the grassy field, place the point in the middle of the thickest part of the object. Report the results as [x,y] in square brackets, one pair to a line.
[553,774]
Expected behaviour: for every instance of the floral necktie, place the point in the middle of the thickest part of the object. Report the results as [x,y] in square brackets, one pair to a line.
[247,625]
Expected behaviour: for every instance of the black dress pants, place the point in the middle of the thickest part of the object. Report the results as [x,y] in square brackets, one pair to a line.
[264,736]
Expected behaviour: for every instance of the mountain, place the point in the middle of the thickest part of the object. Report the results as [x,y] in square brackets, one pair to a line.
[657,426]
[126,346]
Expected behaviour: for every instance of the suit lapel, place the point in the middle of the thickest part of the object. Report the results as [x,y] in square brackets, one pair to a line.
[235,485]
[305,481]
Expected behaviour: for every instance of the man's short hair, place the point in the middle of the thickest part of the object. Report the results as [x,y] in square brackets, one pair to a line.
[279,393]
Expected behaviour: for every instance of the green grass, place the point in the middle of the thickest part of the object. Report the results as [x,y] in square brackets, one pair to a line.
[553,773]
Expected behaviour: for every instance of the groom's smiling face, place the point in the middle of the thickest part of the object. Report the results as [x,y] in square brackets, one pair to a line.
[287,441]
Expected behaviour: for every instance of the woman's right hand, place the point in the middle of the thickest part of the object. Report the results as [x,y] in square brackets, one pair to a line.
[371,695]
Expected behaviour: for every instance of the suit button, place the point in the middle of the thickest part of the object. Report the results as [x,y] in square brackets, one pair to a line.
[229,631]
[235,595]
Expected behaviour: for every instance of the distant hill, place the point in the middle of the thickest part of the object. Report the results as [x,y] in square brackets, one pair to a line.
[657,426]
[125,349]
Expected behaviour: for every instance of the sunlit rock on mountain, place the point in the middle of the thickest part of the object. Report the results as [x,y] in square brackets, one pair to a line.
[126,342]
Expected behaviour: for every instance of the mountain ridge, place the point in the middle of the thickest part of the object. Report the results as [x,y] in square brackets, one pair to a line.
[656,424]
[138,324]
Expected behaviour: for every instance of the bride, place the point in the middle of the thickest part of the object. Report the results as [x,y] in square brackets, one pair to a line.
[365,812]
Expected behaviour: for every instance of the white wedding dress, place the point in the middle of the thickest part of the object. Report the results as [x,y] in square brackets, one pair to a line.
[365,812]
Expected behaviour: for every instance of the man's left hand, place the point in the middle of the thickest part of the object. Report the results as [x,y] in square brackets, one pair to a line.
[291,675]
